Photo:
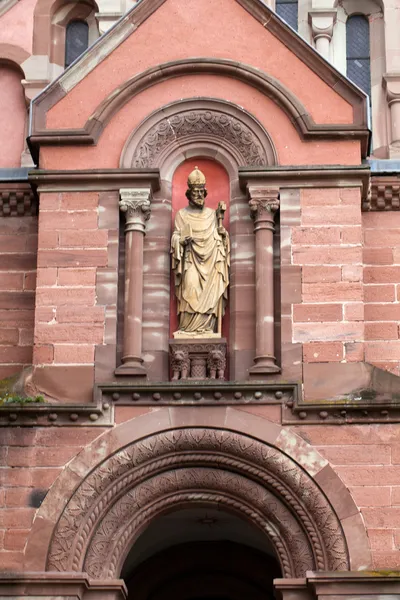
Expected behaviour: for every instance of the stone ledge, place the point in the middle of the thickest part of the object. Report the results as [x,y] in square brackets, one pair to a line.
[67,415]
[206,393]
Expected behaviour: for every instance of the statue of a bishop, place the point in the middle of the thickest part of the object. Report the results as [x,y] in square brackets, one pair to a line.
[200,261]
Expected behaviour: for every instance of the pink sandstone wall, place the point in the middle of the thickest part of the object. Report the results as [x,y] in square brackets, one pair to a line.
[18,247]
[12,117]
[16,25]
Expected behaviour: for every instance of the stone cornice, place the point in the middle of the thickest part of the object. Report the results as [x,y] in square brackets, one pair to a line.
[17,200]
[94,179]
[384,193]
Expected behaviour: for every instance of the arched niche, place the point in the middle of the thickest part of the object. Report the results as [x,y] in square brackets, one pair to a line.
[203,128]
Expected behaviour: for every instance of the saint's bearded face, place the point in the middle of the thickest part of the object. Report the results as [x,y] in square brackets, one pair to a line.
[197,196]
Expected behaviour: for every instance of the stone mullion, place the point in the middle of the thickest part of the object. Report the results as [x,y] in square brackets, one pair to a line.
[136,205]
[264,203]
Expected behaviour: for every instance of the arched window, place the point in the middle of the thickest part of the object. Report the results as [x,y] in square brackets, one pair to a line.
[358,52]
[288,11]
[76,40]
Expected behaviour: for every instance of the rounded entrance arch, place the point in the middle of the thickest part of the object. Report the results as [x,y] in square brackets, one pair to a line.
[196,467]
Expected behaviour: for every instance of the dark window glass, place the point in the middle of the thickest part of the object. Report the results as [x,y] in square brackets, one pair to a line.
[358,52]
[76,40]
[288,11]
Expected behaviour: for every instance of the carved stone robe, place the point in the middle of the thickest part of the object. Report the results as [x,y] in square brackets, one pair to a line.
[201,270]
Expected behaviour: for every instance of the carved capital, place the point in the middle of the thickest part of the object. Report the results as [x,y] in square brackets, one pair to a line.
[392,86]
[322,22]
[263,202]
[135,203]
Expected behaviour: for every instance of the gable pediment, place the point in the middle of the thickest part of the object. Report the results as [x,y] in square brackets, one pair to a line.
[163,39]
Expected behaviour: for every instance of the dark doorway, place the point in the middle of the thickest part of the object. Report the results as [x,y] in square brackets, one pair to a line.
[189,555]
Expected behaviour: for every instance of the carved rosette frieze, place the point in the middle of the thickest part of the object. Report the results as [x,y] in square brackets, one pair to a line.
[170,469]
[199,122]
[136,205]
[264,204]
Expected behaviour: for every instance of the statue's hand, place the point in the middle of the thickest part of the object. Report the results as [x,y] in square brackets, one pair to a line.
[222,231]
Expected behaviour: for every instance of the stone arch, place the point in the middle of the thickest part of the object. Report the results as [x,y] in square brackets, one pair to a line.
[191,123]
[13,55]
[150,466]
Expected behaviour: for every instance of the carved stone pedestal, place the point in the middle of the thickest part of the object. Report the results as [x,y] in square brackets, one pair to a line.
[198,359]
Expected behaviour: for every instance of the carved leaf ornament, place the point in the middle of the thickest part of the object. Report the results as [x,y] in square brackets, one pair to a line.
[188,124]
[158,474]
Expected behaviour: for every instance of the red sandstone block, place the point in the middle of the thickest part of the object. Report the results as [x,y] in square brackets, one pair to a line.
[317,274]
[323,352]
[371,495]
[64,296]
[316,236]
[381,331]
[383,475]
[11,281]
[381,274]
[17,496]
[30,281]
[351,235]
[77,277]
[73,258]
[354,311]
[43,354]
[354,351]
[396,500]
[330,215]
[352,273]
[96,238]
[15,539]
[320,196]
[60,333]
[310,332]
[380,220]
[382,312]
[12,243]
[15,354]
[377,256]
[381,351]
[390,366]
[37,456]
[46,277]
[385,560]
[381,539]
[350,196]
[26,337]
[332,292]
[2,536]
[49,201]
[31,243]
[396,453]
[16,518]
[349,435]
[317,312]
[73,354]
[396,256]
[9,336]
[48,239]
[382,517]
[15,318]
[389,239]
[59,220]
[45,314]
[93,314]
[12,561]
[379,293]
[373,454]
[18,262]
[332,255]
[60,436]
[79,200]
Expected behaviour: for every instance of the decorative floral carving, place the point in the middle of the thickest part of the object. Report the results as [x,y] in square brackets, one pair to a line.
[136,205]
[263,200]
[129,489]
[199,122]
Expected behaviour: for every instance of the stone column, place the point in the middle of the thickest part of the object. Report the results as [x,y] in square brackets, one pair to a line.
[392,84]
[135,204]
[264,203]
[322,22]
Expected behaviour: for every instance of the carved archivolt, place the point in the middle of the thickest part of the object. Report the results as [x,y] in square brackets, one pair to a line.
[160,473]
[192,124]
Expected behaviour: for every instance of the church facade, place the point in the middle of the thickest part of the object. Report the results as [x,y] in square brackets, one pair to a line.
[199,300]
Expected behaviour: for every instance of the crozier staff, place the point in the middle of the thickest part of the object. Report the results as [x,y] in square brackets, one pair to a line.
[200,261]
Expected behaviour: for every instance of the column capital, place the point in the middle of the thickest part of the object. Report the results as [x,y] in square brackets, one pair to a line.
[392,86]
[263,201]
[135,203]
[322,21]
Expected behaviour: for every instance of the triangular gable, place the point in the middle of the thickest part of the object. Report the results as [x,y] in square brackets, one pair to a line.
[343,100]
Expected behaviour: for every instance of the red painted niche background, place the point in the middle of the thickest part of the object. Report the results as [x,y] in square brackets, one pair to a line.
[218,188]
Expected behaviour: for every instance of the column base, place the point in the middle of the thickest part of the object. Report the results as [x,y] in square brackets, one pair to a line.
[132,367]
[264,365]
